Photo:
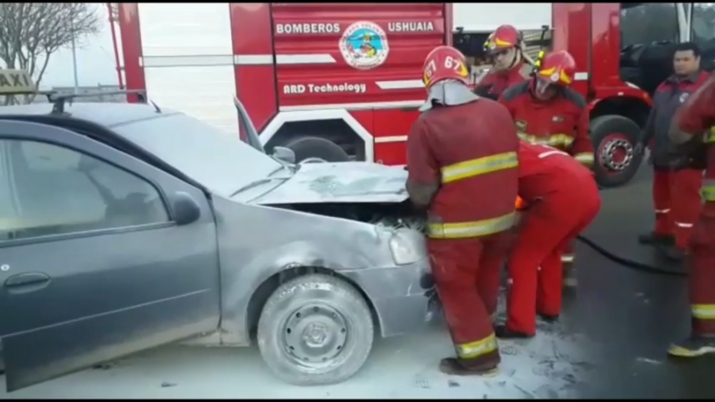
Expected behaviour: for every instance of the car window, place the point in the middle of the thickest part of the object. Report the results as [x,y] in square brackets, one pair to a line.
[56,190]
[645,23]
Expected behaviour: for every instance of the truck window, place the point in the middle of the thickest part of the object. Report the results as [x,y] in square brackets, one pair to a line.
[703,23]
[645,23]
[703,33]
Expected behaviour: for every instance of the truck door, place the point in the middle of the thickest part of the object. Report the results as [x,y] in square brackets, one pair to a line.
[96,260]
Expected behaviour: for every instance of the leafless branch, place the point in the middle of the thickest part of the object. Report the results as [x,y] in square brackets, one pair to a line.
[30,33]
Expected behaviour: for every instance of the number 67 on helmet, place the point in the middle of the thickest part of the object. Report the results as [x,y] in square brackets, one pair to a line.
[444,63]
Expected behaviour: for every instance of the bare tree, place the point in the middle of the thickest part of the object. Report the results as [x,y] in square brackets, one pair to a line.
[31,32]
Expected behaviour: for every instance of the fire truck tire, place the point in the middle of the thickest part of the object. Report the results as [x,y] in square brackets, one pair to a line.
[614,138]
[315,330]
[317,147]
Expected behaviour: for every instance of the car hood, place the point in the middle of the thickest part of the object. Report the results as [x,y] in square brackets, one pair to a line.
[340,182]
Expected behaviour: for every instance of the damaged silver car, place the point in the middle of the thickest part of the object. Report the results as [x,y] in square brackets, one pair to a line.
[125,227]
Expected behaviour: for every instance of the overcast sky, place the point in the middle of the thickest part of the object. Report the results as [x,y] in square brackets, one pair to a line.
[95,60]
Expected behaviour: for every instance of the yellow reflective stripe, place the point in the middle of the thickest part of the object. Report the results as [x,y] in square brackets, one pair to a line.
[709,136]
[555,140]
[477,348]
[703,311]
[479,166]
[471,229]
[585,157]
[708,190]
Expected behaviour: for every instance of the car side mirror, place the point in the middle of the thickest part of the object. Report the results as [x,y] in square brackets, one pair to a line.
[284,154]
[186,209]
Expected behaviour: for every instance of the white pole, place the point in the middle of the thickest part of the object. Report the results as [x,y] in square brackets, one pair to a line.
[74,60]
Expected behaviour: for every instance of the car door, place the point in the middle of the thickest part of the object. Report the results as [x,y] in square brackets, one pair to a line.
[99,257]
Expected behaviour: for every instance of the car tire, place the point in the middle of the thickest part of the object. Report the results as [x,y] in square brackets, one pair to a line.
[329,310]
[318,148]
[606,130]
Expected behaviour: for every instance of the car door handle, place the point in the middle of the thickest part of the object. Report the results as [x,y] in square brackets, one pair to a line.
[25,280]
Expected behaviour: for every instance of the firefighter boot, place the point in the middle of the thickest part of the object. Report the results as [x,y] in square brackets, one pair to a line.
[653,238]
[672,252]
[694,346]
[482,365]
[502,332]
[549,318]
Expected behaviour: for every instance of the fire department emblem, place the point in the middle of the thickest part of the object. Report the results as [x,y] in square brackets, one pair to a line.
[364,45]
[684,97]
[555,77]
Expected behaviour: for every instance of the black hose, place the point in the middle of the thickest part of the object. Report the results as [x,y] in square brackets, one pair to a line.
[635,265]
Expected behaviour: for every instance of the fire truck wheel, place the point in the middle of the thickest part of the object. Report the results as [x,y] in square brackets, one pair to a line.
[614,138]
[315,330]
[317,148]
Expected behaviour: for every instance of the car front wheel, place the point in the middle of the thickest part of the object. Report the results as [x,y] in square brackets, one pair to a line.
[315,330]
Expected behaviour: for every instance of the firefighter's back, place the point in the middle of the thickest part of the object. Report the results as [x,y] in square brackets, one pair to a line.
[475,145]
[544,170]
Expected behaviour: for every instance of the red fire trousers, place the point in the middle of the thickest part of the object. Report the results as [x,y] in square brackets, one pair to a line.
[676,200]
[466,273]
[701,280]
[535,267]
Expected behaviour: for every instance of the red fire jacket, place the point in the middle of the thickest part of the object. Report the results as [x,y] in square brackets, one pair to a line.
[494,83]
[698,116]
[544,170]
[470,151]
[561,122]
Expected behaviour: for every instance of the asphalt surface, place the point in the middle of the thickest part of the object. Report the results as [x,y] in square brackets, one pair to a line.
[610,343]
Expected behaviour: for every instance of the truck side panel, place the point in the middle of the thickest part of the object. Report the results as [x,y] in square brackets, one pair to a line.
[330,43]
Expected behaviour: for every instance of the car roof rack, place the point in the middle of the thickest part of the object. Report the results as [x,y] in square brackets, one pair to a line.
[19,82]
[58,100]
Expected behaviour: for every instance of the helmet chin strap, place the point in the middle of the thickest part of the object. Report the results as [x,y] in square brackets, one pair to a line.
[516,59]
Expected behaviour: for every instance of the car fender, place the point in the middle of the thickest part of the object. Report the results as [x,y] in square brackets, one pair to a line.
[257,242]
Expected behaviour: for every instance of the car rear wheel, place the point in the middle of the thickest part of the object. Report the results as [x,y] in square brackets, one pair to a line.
[315,330]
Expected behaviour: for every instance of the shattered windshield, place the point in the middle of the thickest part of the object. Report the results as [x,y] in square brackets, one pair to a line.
[219,161]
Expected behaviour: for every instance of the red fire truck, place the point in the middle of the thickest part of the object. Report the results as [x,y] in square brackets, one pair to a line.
[341,81]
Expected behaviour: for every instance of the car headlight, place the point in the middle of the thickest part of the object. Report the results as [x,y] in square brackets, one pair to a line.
[407,246]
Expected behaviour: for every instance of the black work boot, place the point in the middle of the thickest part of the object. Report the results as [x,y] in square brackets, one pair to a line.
[694,346]
[672,252]
[482,365]
[549,317]
[653,238]
[502,332]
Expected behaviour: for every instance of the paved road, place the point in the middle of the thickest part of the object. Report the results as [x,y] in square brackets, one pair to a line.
[398,368]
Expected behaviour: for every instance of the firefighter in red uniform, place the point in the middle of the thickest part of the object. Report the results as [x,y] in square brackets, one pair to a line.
[562,199]
[463,168]
[676,193]
[695,137]
[505,47]
[546,111]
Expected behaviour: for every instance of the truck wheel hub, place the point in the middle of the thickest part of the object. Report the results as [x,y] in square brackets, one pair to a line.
[315,334]
[616,154]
